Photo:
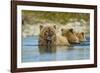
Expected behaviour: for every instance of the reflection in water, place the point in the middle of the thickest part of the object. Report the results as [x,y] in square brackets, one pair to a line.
[34,53]
[47,54]
[45,49]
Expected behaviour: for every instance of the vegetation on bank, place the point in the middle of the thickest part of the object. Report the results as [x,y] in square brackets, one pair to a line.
[35,17]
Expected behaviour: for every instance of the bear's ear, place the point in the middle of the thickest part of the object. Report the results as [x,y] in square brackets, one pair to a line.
[54,26]
[82,33]
[41,26]
[62,29]
[71,30]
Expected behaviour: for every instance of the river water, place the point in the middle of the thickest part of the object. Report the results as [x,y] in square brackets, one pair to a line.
[32,53]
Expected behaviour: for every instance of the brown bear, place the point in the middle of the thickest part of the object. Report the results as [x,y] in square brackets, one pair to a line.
[81,36]
[47,36]
[62,41]
[70,35]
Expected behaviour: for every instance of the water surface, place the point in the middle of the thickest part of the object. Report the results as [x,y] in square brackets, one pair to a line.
[32,53]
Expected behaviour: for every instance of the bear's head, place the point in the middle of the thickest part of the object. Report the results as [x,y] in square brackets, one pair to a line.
[70,35]
[81,36]
[47,35]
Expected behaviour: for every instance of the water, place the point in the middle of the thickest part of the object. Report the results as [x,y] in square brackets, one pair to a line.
[32,53]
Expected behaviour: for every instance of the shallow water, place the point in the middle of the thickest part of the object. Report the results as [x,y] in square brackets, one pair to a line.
[32,53]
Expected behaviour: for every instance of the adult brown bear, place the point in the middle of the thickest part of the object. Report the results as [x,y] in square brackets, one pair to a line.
[81,36]
[70,35]
[47,36]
